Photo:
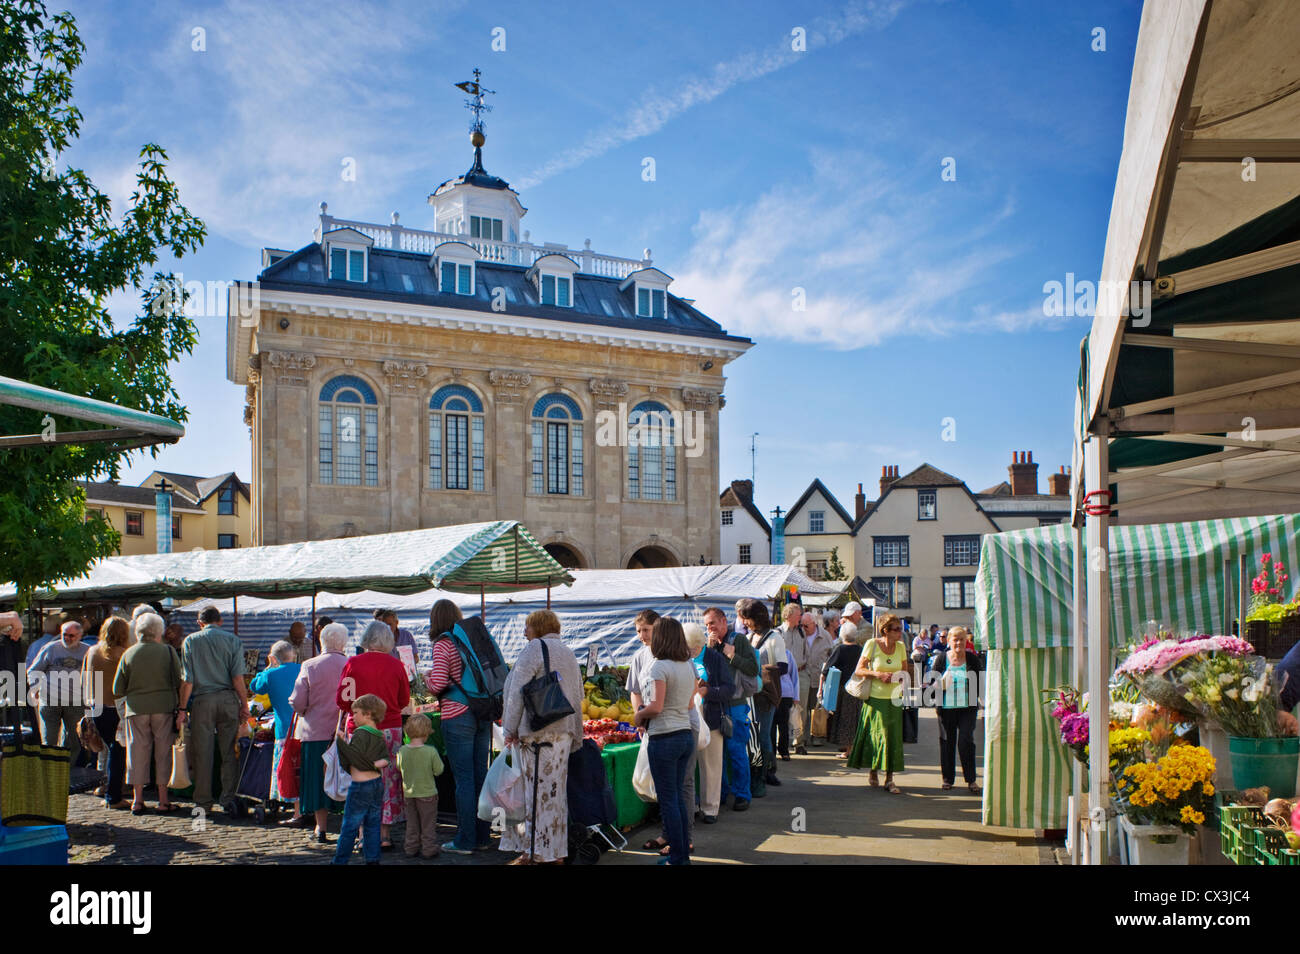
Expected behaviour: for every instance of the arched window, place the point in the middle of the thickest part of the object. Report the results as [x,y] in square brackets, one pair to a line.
[651,453]
[455,439]
[557,446]
[348,444]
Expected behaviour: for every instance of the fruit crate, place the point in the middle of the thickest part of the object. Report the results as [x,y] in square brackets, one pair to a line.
[1270,842]
[1237,824]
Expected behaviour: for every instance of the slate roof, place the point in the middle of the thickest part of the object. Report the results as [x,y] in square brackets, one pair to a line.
[108,492]
[478,176]
[407,277]
[199,489]
[830,499]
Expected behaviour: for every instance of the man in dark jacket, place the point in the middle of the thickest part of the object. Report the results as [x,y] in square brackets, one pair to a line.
[743,662]
[11,658]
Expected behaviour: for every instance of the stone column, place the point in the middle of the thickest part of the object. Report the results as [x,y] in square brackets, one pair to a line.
[510,449]
[608,472]
[701,484]
[401,460]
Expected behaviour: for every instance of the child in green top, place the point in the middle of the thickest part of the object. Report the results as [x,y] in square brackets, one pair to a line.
[363,756]
[419,763]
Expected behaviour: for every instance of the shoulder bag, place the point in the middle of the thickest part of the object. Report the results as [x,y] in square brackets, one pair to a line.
[544,698]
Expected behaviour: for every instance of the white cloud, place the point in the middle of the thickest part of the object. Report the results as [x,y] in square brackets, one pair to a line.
[656,109]
[873,261]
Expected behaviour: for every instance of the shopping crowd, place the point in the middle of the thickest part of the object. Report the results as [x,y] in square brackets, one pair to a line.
[728,701]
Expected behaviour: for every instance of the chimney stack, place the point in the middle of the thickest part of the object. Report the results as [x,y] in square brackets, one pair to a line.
[859,504]
[1058,484]
[888,475]
[1024,474]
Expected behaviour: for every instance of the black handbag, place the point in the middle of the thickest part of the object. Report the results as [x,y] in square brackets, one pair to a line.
[544,698]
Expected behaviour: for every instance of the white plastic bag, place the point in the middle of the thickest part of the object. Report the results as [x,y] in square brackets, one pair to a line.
[702,734]
[504,788]
[643,782]
[337,780]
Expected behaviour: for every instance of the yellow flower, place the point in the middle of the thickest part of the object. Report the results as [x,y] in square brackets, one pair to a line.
[1207,788]
[1189,814]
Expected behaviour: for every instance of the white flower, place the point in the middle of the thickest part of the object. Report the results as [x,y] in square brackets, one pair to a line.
[1225,678]
[1231,694]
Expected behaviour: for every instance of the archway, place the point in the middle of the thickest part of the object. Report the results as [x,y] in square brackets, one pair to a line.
[565,555]
[652,558]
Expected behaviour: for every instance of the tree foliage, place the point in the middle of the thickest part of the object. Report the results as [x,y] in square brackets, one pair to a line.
[834,568]
[62,254]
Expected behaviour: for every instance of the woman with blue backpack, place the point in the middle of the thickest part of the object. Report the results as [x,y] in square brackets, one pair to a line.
[468,677]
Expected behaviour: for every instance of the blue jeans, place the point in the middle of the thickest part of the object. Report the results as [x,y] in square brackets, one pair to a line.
[669,755]
[361,812]
[735,776]
[467,741]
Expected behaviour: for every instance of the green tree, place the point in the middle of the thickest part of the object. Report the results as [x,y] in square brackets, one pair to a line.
[834,568]
[62,254]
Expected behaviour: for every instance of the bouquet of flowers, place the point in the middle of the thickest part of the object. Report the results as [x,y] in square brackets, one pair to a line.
[1266,593]
[1238,692]
[1128,746]
[1154,667]
[1176,789]
[1071,714]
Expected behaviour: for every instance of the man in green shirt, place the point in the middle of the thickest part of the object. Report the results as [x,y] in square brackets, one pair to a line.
[213,691]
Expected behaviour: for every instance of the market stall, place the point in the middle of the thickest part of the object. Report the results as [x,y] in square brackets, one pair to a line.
[1182,575]
[1189,401]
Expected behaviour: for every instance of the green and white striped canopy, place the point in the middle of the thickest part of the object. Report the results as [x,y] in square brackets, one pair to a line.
[501,556]
[1175,573]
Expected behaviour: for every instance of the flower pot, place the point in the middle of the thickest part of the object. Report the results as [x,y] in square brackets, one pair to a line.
[1216,741]
[1271,762]
[1152,844]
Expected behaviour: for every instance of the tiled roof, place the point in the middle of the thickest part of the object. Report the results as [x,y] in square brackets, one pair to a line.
[997,490]
[830,499]
[927,476]
[407,277]
[739,489]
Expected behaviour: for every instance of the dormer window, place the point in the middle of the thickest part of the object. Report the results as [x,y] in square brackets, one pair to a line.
[454,264]
[649,303]
[348,264]
[553,277]
[649,288]
[457,279]
[557,290]
[483,227]
[347,254]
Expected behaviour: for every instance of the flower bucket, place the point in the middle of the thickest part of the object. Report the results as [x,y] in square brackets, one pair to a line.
[1152,844]
[1271,762]
[1216,740]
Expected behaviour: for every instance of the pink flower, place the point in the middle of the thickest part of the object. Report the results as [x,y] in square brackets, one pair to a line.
[1272,590]
[1265,558]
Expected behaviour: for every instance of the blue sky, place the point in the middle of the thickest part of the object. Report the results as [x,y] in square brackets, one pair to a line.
[775,170]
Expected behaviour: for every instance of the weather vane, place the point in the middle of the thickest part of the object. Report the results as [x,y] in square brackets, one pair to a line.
[476,105]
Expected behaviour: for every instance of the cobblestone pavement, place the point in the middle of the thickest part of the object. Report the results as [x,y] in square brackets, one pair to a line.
[823,813]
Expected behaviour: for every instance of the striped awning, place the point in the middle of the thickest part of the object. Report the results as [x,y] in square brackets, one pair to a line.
[1175,573]
[501,556]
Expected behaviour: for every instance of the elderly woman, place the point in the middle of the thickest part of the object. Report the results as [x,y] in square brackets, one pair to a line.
[147,685]
[277,681]
[714,699]
[879,744]
[376,671]
[543,751]
[315,701]
[98,671]
[958,672]
[843,727]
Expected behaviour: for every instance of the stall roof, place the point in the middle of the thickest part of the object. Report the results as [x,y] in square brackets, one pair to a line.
[497,556]
[1199,396]
[126,428]
[596,611]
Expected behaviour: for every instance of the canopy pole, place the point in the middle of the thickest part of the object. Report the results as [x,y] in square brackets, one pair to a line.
[548,592]
[315,639]
[235,607]
[1097,528]
[482,603]
[1078,673]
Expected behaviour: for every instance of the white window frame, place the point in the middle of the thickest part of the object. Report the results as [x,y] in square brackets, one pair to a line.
[951,543]
[934,496]
[744,553]
[904,552]
[556,278]
[967,584]
[349,251]
[652,464]
[651,300]
[728,518]
[816,521]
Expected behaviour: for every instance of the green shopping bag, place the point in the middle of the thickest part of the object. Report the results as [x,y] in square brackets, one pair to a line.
[33,784]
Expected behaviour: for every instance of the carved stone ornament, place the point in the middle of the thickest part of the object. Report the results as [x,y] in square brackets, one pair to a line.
[607,391]
[405,374]
[254,361]
[349,362]
[291,365]
[254,377]
[700,397]
[510,385]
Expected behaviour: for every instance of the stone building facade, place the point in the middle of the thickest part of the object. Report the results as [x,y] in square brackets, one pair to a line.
[399,379]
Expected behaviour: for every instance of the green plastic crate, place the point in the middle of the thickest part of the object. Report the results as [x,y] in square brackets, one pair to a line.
[1270,842]
[1236,826]
[1288,856]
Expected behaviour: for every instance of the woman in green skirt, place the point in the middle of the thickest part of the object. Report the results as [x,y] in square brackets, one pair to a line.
[879,743]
